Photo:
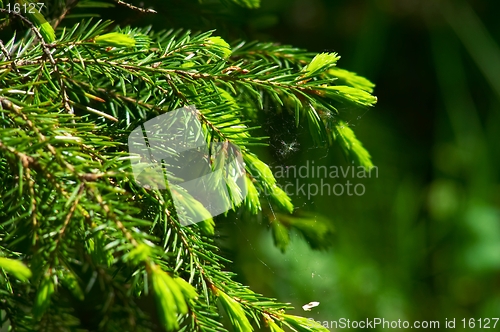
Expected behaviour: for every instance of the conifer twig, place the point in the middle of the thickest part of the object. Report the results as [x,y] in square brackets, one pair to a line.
[46,49]
[142,10]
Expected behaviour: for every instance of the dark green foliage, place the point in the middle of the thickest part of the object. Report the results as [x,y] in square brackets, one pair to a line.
[100,246]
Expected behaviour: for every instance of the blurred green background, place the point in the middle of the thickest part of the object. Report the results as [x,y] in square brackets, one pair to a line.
[423,242]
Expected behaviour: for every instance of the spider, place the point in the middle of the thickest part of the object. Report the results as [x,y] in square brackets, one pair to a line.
[288,148]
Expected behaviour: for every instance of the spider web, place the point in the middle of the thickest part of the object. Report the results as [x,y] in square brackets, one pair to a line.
[287,145]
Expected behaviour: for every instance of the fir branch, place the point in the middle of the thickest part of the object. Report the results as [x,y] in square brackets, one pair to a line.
[69,184]
[46,50]
[67,8]
[139,9]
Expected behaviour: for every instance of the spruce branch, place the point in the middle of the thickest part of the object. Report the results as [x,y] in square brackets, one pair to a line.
[139,9]
[92,235]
